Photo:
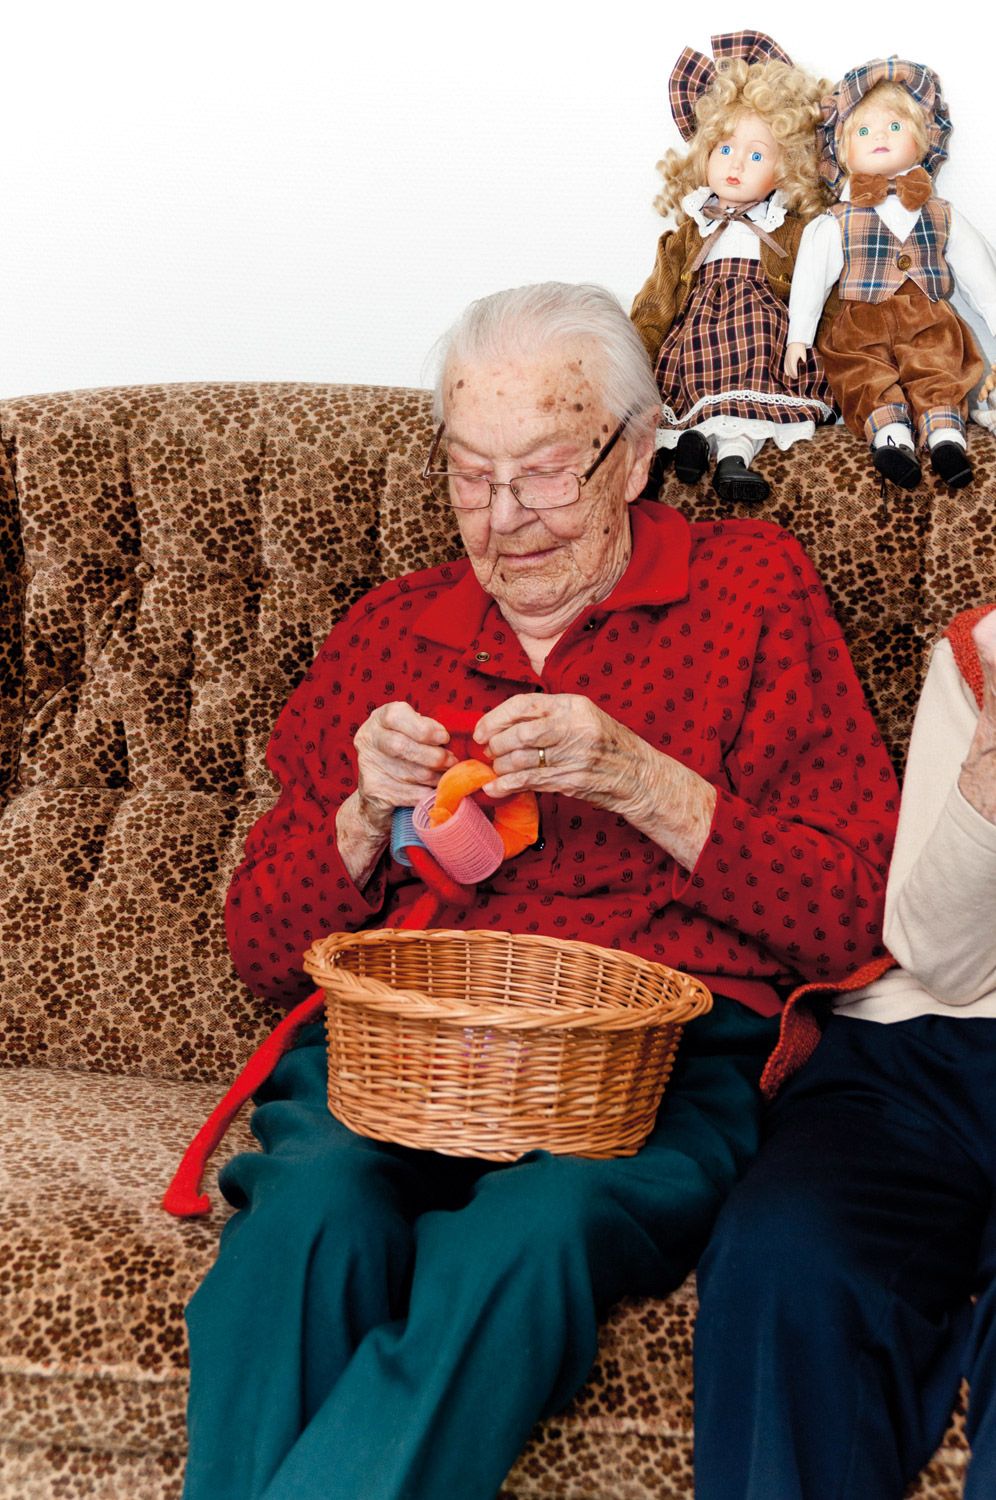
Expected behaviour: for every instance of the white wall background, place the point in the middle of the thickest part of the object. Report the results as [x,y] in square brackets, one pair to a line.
[224,190]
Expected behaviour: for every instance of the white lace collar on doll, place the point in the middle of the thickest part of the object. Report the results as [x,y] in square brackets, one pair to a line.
[769,214]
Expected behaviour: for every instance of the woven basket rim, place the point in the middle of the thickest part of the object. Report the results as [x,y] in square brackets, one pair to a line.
[693,996]
[376,935]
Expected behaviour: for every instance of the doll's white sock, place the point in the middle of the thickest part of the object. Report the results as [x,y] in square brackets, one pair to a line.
[947,435]
[894,435]
[742,445]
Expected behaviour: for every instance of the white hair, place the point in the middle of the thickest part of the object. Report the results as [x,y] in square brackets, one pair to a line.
[524,321]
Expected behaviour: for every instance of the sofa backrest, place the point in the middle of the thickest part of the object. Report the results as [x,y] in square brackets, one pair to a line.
[172,559]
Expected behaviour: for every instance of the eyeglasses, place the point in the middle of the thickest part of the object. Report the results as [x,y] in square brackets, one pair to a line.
[540,489]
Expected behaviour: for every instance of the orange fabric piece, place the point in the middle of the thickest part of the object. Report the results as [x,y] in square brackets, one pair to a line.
[461,780]
[516,818]
[959,633]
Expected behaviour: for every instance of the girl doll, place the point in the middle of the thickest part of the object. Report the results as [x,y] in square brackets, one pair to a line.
[712,313]
[896,352]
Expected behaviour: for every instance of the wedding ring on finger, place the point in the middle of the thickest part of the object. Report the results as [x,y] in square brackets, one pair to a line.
[542,758]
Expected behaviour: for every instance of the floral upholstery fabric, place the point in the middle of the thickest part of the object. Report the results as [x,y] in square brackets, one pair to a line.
[172,558]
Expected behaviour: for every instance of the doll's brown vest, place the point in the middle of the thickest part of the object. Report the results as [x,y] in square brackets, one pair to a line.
[876,263]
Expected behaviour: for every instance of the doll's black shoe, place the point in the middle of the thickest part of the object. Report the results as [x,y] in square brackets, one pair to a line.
[898,463]
[733,481]
[950,462]
[691,457]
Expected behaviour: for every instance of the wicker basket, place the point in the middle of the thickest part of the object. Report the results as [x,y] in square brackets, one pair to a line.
[491,1044]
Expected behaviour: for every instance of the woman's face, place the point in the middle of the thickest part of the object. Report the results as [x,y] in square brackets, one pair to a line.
[743,166]
[507,417]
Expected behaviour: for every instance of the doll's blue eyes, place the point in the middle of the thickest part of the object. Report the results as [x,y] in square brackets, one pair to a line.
[754,156]
[725,150]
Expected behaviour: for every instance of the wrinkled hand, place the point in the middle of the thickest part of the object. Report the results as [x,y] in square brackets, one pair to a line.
[598,760]
[978,775]
[400,756]
[795,355]
[588,754]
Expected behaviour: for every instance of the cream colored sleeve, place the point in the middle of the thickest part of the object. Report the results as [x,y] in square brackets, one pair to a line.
[940,906]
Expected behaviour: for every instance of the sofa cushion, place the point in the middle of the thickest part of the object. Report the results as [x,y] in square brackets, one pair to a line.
[94,1278]
[33,1472]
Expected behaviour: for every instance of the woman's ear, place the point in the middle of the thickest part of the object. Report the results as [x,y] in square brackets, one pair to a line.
[641,457]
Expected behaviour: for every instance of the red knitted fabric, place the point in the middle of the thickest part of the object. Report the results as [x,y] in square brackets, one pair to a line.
[183,1197]
[959,633]
[800,1029]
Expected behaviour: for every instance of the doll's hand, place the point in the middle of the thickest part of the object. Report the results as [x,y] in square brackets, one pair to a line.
[795,355]
[988,386]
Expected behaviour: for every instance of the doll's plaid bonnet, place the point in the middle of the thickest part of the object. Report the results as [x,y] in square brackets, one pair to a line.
[918,80]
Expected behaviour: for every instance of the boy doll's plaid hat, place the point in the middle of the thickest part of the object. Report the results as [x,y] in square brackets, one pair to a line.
[919,81]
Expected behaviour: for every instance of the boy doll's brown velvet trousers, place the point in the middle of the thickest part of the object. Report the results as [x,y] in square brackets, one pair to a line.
[905,359]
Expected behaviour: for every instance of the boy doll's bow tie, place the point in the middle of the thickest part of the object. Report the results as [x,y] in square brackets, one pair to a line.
[912,189]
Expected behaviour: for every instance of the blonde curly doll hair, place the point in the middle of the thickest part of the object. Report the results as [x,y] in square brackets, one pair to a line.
[787,100]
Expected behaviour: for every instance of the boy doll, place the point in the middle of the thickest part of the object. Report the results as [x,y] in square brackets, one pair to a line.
[896,354]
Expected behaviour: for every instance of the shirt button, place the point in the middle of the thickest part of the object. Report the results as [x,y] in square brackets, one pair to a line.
[483,656]
[904,262]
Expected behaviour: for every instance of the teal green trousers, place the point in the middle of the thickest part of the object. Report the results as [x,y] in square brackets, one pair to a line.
[388,1324]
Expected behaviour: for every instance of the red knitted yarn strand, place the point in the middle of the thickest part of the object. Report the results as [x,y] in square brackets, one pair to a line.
[183,1197]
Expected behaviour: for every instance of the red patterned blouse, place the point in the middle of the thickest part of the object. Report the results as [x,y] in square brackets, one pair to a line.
[718,646]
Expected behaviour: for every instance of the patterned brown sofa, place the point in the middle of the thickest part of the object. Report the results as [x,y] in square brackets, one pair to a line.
[172,557]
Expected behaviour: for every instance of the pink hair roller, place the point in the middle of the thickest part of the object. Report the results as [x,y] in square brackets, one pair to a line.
[467,846]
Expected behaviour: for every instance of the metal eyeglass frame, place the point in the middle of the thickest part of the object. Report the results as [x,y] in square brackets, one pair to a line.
[429,472]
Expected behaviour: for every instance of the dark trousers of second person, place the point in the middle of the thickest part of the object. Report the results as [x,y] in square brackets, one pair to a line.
[851,1279]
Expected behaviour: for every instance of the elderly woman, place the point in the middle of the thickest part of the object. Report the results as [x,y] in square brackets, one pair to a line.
[837,1315]
[387,1323]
